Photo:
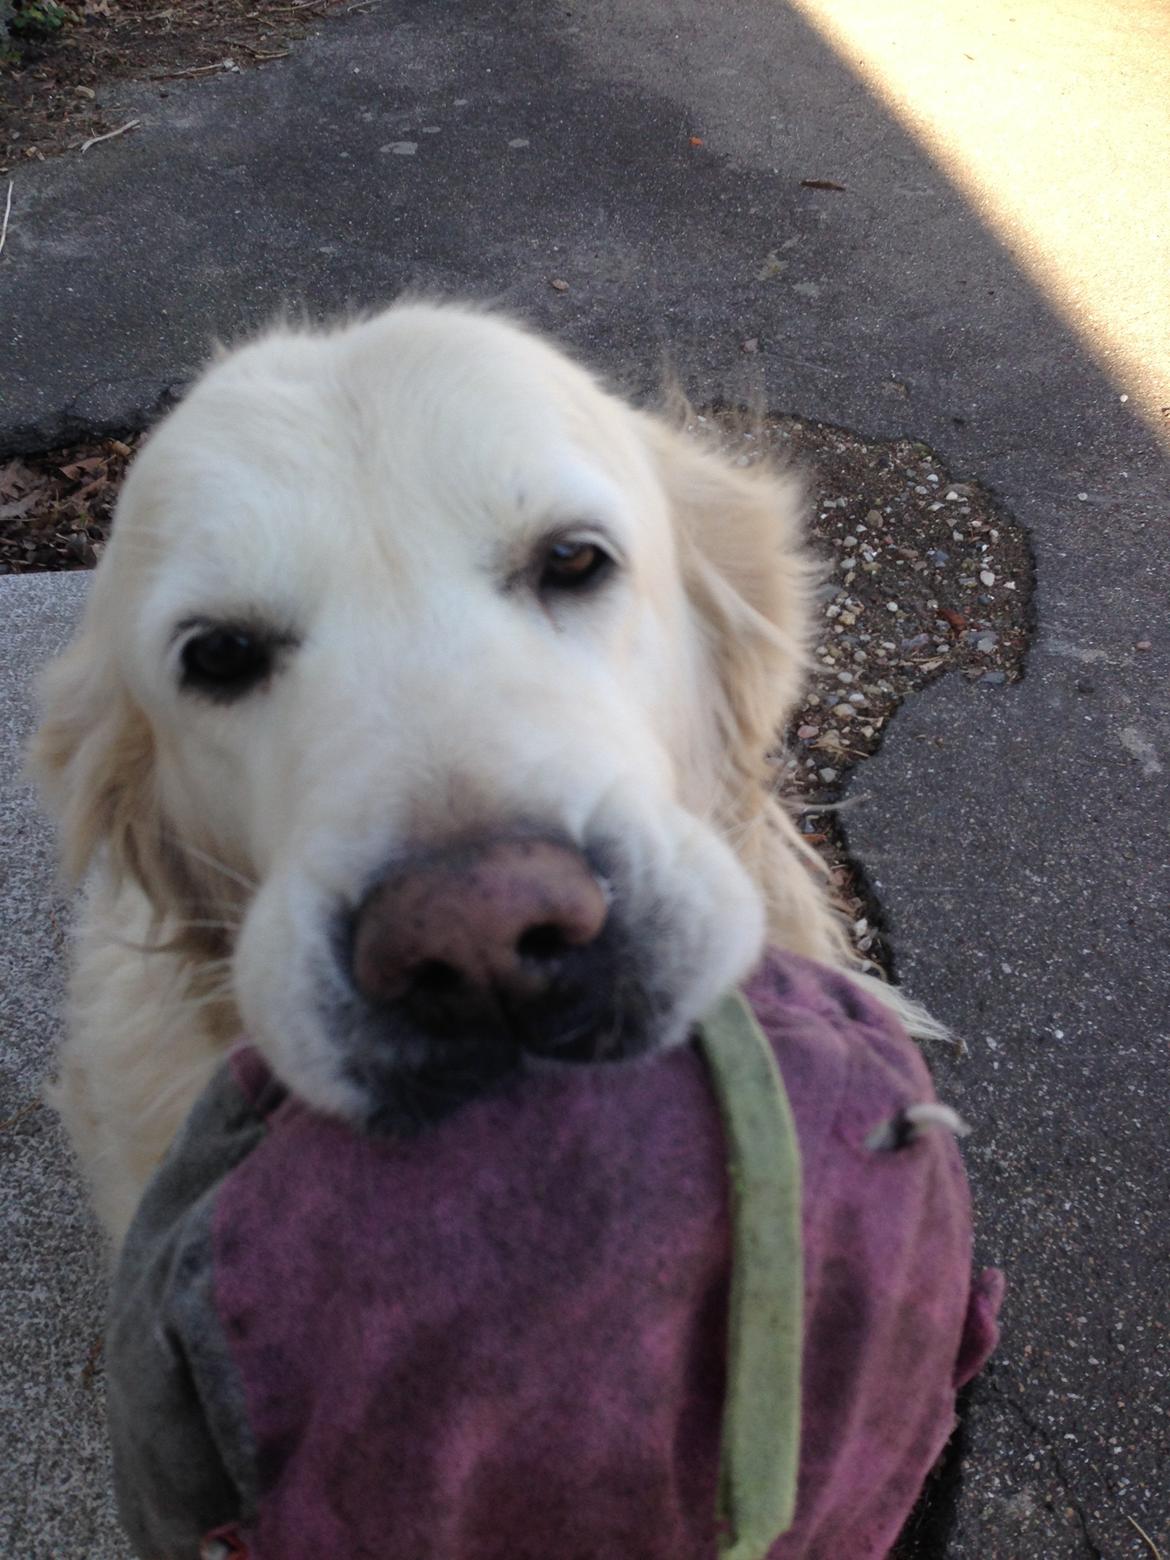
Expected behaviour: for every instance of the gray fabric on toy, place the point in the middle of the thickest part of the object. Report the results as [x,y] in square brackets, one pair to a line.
[713,1302]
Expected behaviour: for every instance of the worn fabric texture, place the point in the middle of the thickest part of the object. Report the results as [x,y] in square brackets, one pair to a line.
[505,1339]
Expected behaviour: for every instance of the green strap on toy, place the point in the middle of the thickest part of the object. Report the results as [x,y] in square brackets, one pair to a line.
[761,1417]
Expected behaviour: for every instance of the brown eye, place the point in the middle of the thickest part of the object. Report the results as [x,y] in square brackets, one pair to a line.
[573,565]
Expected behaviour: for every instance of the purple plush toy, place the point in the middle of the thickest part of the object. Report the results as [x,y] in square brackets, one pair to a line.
[554,1326]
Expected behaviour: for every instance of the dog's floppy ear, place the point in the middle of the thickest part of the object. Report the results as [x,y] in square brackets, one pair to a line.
[93,756]
[750,582]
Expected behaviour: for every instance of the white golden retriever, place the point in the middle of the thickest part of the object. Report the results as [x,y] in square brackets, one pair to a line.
[417,726]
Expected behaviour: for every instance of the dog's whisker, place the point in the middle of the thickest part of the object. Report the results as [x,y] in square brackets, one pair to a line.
[207,860]
[173,942]
[218,997]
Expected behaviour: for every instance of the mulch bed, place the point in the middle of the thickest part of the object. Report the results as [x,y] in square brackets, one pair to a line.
[49,97]
[56,509]
[924,575]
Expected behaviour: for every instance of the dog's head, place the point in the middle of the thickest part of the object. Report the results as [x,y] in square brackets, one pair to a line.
[431,685]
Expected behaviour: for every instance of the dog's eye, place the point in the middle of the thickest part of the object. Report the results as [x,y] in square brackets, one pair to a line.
[225,662]
[572,565]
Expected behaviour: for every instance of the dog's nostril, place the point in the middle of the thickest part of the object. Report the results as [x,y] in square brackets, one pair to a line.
[544,943]
[434,978]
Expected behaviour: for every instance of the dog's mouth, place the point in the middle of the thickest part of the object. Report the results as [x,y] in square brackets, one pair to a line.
[444,1043]
[465,964]
[460,968]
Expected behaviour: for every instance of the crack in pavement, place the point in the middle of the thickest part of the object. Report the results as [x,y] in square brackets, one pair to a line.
[1038,1432]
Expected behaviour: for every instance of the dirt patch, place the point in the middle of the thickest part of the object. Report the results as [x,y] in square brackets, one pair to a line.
[49,98]
[923,575]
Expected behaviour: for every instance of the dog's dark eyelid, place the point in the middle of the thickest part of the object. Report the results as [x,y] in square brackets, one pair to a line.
[225,661]
[568,564]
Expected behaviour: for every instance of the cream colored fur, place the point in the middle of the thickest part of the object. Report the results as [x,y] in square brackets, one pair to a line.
[370,489]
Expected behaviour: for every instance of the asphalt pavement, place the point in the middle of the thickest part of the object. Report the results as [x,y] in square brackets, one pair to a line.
[653,156]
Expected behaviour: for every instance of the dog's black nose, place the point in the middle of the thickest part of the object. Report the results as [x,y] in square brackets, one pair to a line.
[499,942]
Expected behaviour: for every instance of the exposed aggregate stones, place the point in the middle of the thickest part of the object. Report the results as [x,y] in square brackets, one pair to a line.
[924,575]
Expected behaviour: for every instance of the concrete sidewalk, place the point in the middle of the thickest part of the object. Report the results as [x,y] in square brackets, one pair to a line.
[1019,838]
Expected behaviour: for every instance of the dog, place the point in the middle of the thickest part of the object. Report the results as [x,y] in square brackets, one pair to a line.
[418,727]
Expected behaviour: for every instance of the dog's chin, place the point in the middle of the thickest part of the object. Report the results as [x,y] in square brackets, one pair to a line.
[398,1067]
[403,1081]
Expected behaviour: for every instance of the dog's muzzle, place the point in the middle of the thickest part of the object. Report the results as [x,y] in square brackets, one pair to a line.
[474,957]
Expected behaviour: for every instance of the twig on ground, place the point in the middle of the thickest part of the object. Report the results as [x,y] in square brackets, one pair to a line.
[845,803]
[7,212]
[92,1361]
[25,1110]
[130,124]
[1154,1550]
[196,70]
[259,54]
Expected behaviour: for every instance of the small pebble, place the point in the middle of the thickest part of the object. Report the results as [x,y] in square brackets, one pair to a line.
[844,677]
[994,678]
[1083,497]
[844,711]
[807,733]
[827,775]
[1143,644]
[891,606]
[987,577]
[986,643]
